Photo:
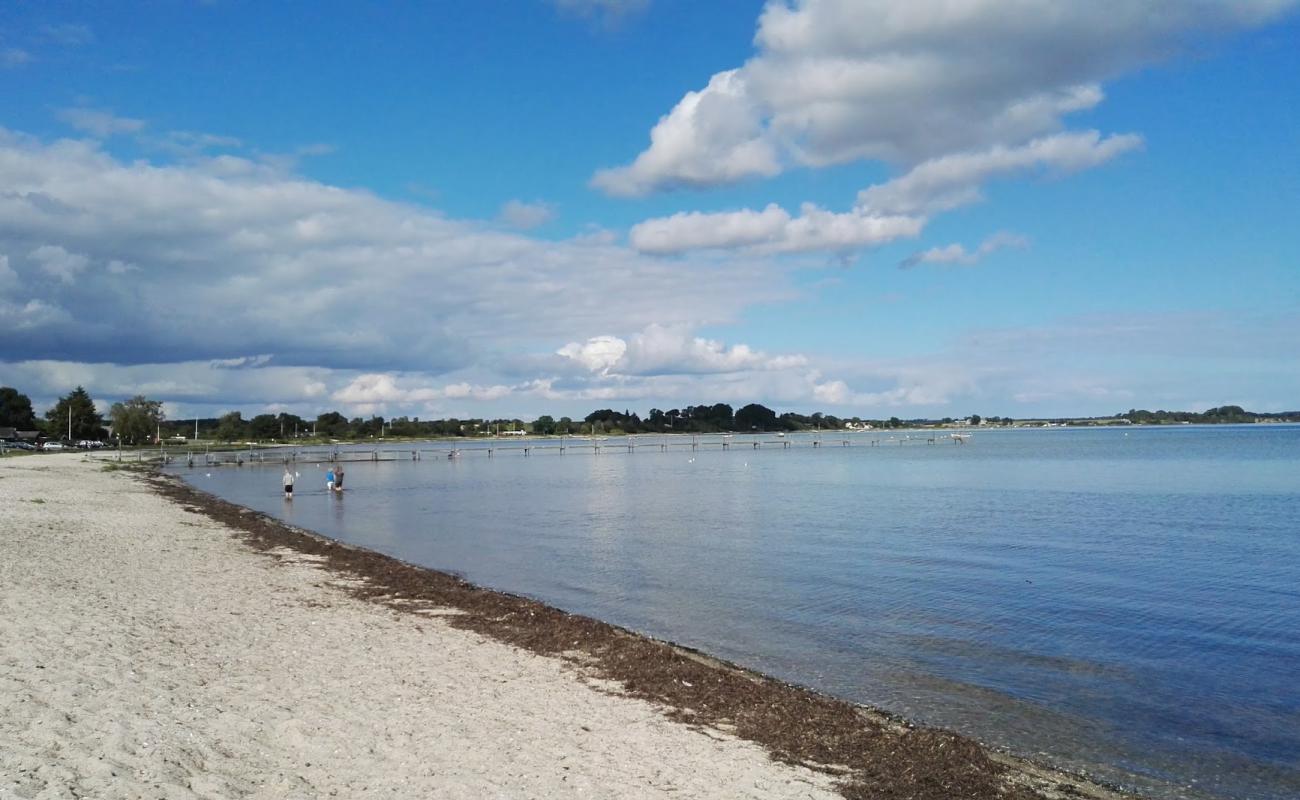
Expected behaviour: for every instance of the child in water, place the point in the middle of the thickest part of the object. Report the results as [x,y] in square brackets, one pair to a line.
[338,478]
[329,480]
[288,484]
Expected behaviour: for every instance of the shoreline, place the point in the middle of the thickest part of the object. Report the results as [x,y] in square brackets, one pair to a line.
[859,752]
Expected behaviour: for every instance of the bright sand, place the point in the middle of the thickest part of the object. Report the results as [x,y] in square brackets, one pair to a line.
[147,651]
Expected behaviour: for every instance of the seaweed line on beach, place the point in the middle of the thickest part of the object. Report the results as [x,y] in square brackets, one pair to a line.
[874,754]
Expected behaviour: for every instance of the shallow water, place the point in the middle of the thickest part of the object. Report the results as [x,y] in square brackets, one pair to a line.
[1120,601]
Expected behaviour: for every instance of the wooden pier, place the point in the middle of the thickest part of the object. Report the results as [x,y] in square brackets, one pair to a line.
[286,455]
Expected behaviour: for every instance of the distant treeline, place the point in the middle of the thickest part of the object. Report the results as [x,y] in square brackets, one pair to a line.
[717,418]
[1220,415]
[140,420]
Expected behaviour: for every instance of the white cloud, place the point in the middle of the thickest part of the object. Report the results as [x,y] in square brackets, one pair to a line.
[952,181]
[671,350]
[526,216]
[958,254]
[712,136]
[313,274]
[841,80]
[771,230]
[31,316]
[694,230]
[59,263]
[597,354]
[896,209]
[99,123]
[377,392]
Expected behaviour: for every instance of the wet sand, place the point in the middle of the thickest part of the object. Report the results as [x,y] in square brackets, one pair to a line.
[158,642]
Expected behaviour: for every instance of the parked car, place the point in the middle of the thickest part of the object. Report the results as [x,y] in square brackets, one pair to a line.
[19,445]
[53,446]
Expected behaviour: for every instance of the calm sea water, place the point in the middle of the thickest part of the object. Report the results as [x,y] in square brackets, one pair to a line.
[1120,601]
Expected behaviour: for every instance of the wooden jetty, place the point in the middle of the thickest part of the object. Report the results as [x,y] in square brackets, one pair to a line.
[417,451]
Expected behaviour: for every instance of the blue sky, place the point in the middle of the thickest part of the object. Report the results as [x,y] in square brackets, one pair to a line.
[852,206]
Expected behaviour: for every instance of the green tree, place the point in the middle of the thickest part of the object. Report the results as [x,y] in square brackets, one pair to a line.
[756,417]
[16,410]
[263,426]
[975,419]
[136,421]
[291,425]
[75,416]
[331,423]
[230,427]
[544,425]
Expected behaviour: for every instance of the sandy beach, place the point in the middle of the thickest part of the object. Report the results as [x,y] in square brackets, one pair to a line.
[154,643]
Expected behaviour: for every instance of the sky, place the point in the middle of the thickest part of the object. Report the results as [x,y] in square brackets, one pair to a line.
[1023,208]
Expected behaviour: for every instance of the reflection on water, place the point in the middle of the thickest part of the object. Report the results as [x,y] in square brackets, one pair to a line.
[1121,601]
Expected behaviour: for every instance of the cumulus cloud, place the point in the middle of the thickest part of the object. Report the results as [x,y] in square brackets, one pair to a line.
[953,181]
[597,354]
[712,136]
[99,123]
[771,230]
[59,263]
[671,350]
[896,209]
[958,254]
[526,216]
[841,80]
[374,392]
[108,256]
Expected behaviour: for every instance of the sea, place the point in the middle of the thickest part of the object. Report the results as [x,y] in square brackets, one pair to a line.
[1122,602]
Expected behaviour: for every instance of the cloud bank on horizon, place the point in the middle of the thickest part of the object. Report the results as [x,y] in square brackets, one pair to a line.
[201,270]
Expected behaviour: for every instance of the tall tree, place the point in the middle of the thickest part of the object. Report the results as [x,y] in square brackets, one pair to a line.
[263,426]
[230,427]
[331,423]
[136,421]
[16,410]
[756,417]
[75,417]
